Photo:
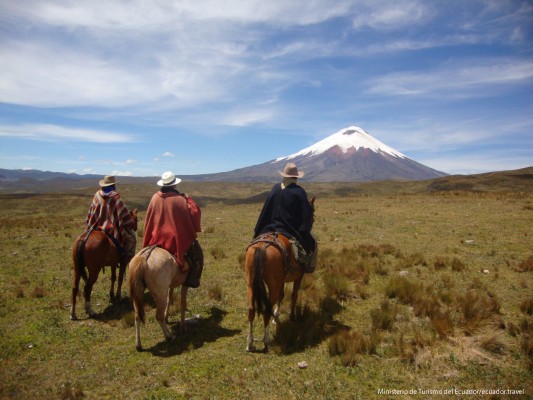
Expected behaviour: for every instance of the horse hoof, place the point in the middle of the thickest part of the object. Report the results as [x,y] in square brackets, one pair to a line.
[73,318]
[249,349]
[139,348]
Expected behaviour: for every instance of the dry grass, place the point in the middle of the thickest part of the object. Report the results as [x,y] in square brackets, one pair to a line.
[348,345]
[526,265]
[399,296]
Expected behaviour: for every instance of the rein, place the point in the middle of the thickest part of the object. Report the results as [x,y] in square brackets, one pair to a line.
[271,239]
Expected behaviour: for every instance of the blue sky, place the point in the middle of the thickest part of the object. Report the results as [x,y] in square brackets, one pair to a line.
[141,87]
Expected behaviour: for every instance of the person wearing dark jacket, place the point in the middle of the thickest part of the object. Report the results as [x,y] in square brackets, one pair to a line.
[287,211]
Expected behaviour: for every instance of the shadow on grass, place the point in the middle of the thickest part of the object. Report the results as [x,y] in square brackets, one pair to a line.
[204,330]
[115,311]
[310,328]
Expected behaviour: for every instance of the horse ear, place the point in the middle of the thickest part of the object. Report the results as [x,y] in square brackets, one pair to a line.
[312,201]
[135,211]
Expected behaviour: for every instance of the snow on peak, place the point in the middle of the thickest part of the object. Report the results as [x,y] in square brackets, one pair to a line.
[351,137]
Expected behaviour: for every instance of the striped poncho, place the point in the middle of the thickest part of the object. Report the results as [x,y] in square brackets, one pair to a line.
[109,213]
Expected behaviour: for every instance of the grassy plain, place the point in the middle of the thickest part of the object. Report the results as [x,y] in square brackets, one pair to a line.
[414,291]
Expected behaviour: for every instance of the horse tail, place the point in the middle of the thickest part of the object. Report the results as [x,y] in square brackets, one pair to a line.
[260,297]
[80,260]
[137,285]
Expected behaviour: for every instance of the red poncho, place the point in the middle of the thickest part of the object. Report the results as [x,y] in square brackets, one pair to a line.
[172,221]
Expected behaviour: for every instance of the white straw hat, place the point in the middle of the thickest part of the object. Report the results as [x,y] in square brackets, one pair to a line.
[168,179]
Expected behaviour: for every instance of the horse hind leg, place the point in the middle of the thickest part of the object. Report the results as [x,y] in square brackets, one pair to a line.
[161,310]
[278,304]
[87,291]
[183,307]
[294,298]
[251,316]
[113,280]
[121,272]
[266,339]
[75,291]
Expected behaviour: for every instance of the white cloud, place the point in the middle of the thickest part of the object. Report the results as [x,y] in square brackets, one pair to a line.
[390,15]
[476,163]
[130,161]
[168,154]
[453,80]
[55,133]
[121,173]
[247,118]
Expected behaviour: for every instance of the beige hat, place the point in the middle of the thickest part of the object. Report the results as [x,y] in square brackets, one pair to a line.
[109,180]
[168,179]
[291,171]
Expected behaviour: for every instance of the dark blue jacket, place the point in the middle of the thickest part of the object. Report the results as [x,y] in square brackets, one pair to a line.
[287,211]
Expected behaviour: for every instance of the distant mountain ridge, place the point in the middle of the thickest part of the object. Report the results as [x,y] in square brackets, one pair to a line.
[520,180]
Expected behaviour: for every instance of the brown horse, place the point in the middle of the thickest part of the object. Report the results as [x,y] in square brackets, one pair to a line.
[270,260]
[156,269]
[95,250]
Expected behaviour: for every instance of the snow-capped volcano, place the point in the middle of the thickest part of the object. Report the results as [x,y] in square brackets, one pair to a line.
[350,155]
[352,137]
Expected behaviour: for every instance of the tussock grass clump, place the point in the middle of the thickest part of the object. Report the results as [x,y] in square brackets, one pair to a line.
[526,265]
[209,229]
[527,306]
[214,292]
[527,342]
[38,292]
[19,292]
[443,262]
[348,345]
[337,285]
[493,343]
[69,392]
[128,320]
[424,302]
[457,265]
[383,318]
[218,253]
[405,290]
[477,306]
[443,323]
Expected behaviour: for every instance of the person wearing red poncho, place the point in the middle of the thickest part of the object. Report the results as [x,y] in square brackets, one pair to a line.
[172,219]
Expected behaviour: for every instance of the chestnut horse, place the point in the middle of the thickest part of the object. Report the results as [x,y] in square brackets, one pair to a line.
[156,269]
[270,260]
[95,250]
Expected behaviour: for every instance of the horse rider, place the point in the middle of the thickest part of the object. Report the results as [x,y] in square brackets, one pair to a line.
[109,213]
[173,220]
[287,211]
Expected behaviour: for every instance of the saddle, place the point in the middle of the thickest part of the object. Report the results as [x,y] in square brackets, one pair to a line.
[299,255]
[195,258]
[274,239]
